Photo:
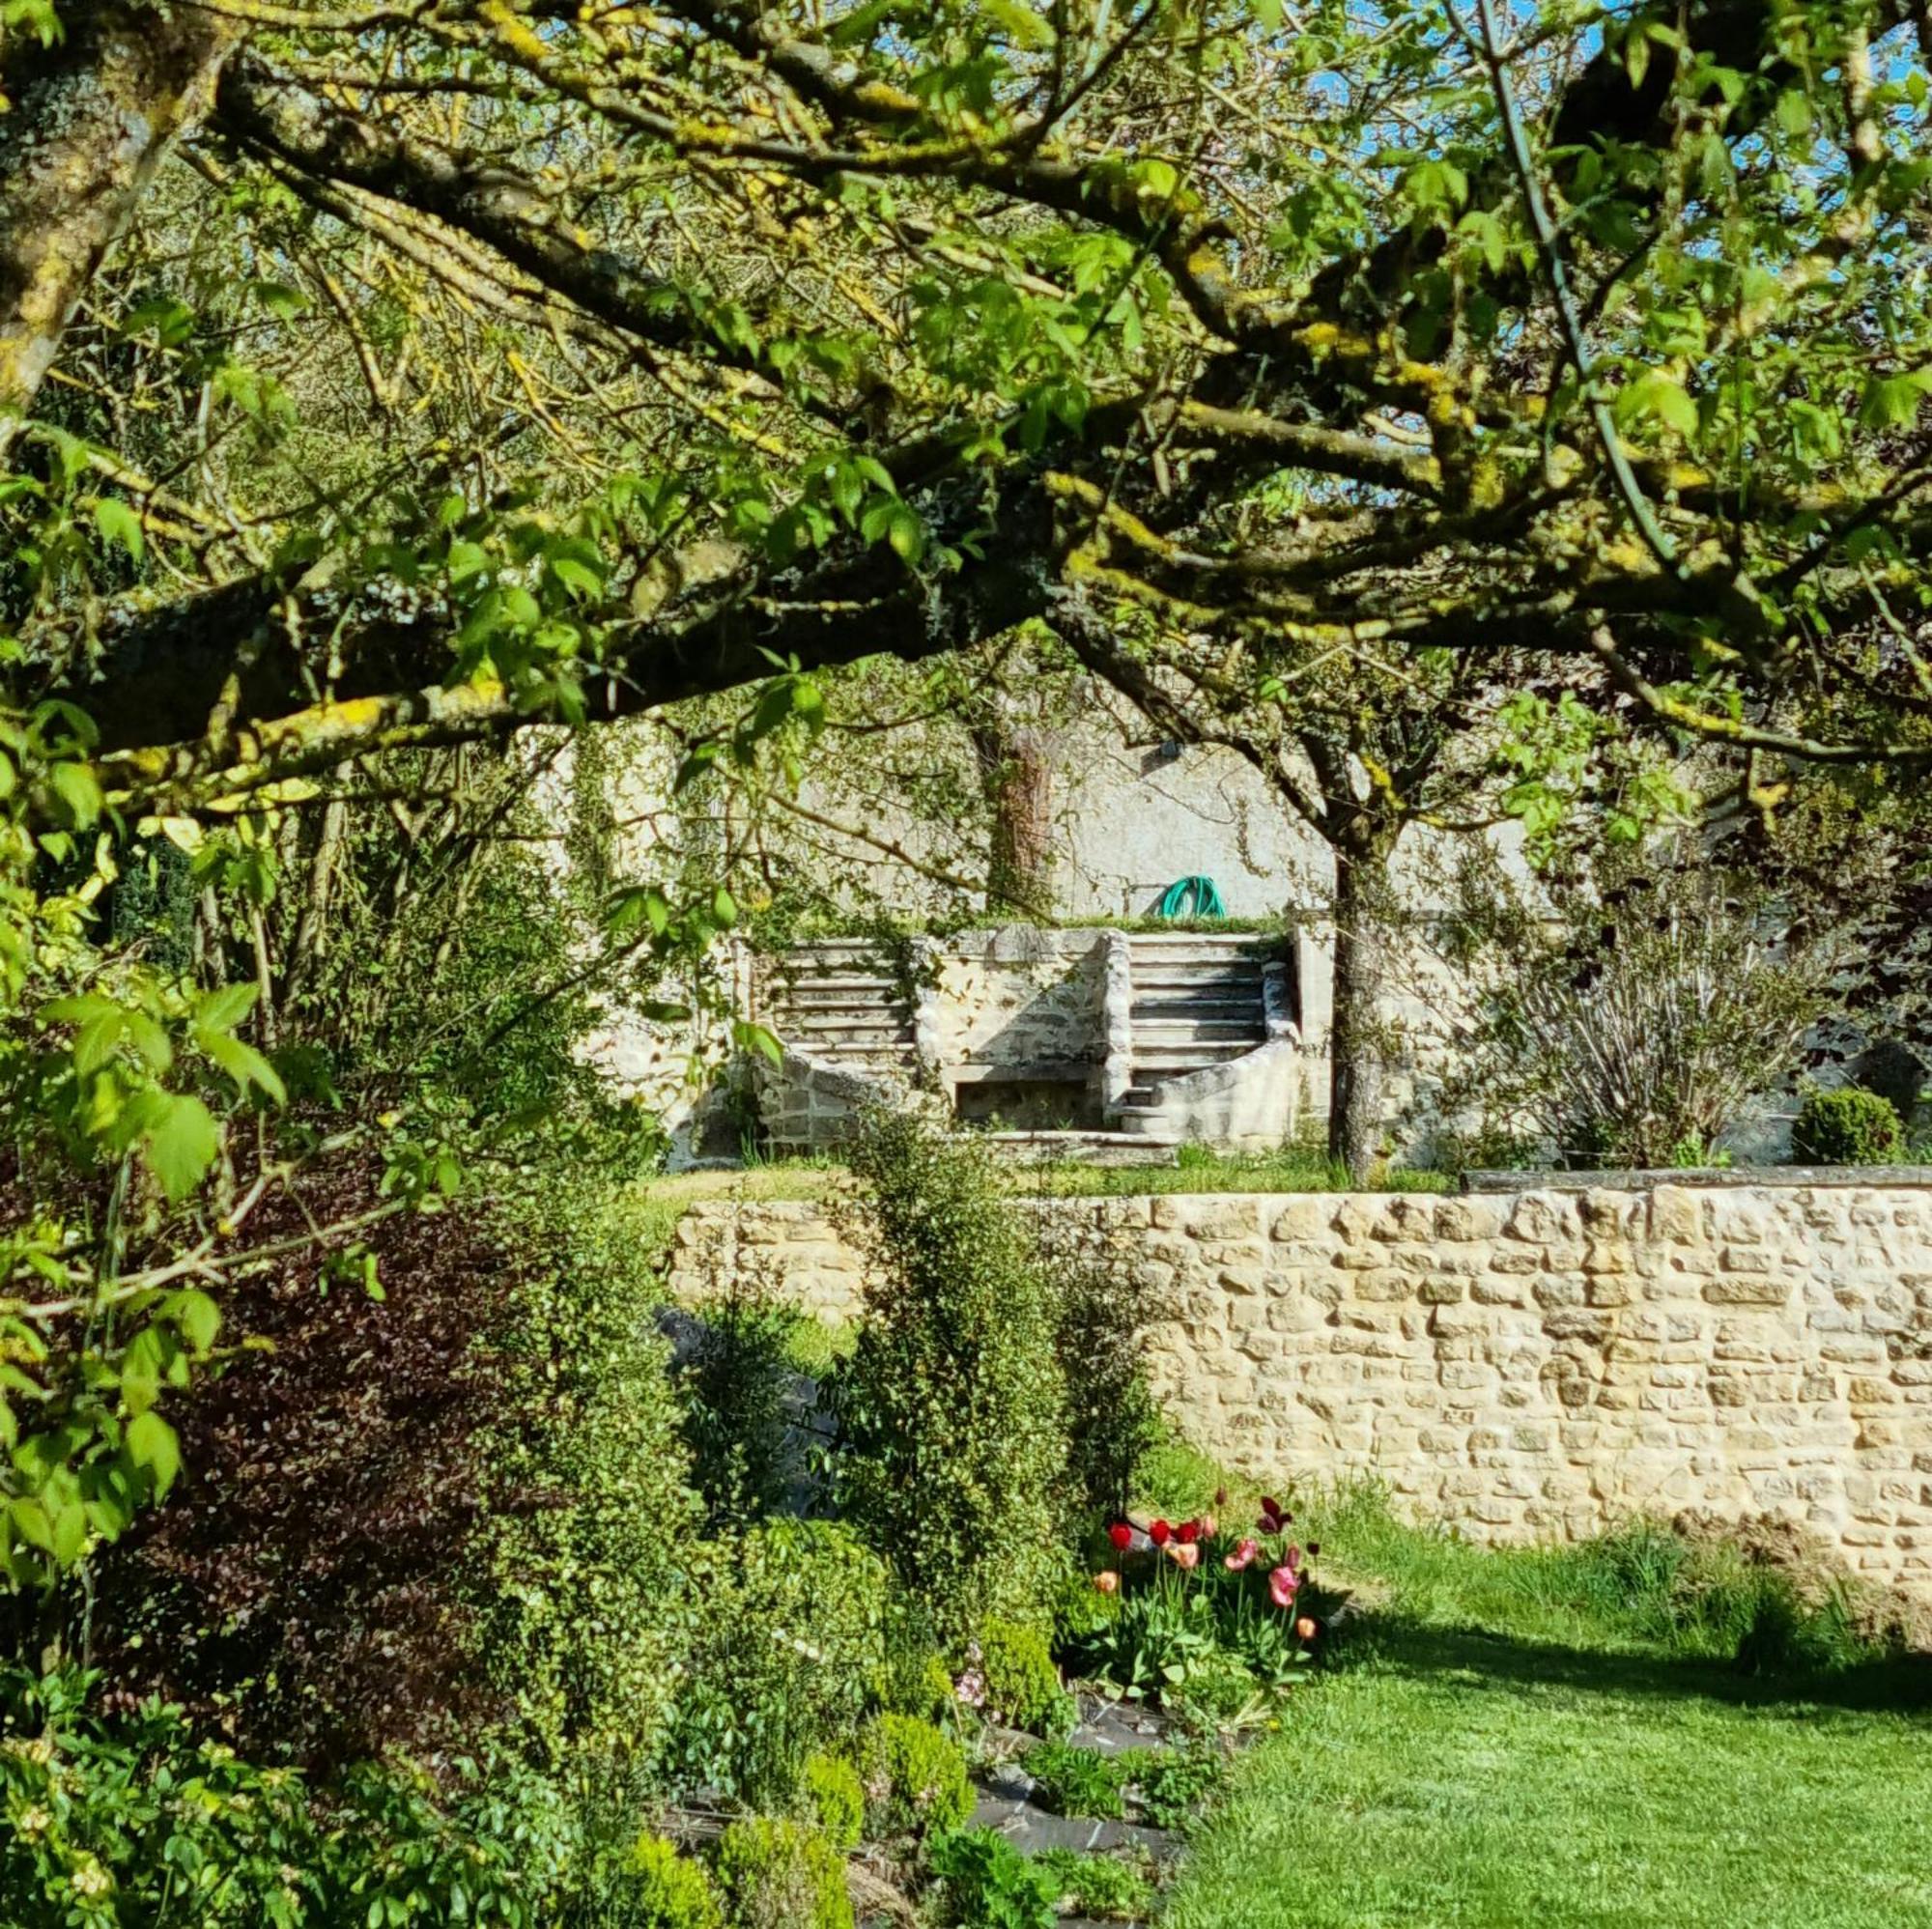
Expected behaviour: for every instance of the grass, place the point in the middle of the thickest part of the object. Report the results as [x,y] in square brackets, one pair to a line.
[1198,1170]
[1564,1737]
[1292,1169]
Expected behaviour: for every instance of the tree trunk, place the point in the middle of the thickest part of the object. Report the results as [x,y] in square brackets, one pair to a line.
[1355,1049]
[89,120]
[1017,776]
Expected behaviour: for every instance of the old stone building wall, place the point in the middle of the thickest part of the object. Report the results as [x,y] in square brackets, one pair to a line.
[1537,1365]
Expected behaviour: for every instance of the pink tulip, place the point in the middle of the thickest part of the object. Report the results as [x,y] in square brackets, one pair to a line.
[1185,1555]
[1282,1585]
[1210,1526]
[1242,1555]
[1107,1581]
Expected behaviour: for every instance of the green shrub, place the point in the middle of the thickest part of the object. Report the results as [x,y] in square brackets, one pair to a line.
[837,1798]
[735,1383]
[781,1875]
[785,1636]
[1849,1126]
[1022,1684]
[134,1819]
[915,1778]
[655,1888]
[986,1883]
[952,1405]
[1113,1420]
[1175,1784]
[587,1502]
[1102,1887]
[1074,1781]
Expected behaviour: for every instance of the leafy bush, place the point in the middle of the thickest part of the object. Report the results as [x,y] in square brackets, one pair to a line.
[1074,1781]
[1629,1008]
[953,1404]
[1848,1127]
[988,1883]
[786,1635]
[1022,1686]
[837,1798]
[134,1821]
[1102,1887]
[1114,1421]
[914,1777]
[587,1511]
[655,1888]
[735,1382]
[778,1874]
[1174,1784]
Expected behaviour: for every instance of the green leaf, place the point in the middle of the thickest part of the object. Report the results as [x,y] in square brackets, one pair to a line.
[152,1444]
[79,792]
[181,1144]
[244,1064]
[223,1010]
[196,1317]
[118,523]
[1660,396]
[1021,24]
[1891,402]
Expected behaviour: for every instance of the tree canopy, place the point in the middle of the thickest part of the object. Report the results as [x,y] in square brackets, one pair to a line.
[395,373]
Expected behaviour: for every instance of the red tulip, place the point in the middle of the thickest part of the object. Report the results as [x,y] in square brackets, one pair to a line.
[1121,1535]
[1188,1532]
[1160,1533]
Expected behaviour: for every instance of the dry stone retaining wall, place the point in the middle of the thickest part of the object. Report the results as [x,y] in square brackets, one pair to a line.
[1535,1365]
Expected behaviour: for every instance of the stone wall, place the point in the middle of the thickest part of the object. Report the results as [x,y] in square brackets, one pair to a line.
[1532,1365]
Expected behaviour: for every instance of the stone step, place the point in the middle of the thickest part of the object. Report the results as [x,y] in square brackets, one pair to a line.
[830,1018]
[1202,951]
[1179,976]
[1170,1061]
[837,984]
[1188,1031]
[1244,1007]
[808,1024]
[859,953]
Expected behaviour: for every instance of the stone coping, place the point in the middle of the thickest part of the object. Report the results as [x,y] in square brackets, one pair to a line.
[1877,1178]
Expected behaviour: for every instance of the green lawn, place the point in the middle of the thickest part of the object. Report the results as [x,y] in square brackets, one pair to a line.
[1539,1738]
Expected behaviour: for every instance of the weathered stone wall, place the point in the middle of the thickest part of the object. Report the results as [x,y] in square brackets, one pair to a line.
[1021,997]
[1531,1365]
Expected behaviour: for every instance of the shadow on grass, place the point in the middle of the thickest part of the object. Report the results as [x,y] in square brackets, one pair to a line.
[1392,1643]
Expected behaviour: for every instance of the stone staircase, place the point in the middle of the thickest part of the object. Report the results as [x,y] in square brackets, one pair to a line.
[839,1001]
[1197,1001]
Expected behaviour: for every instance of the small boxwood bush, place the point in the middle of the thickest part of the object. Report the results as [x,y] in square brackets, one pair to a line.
[1102,1886]
[986,1883]
[658,1888]
[952,1407]
[781,1875]
[1175,1784]
[1847,1127]
[1022,1683]
[837,1798]
[1074,1781]
[915,1778]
